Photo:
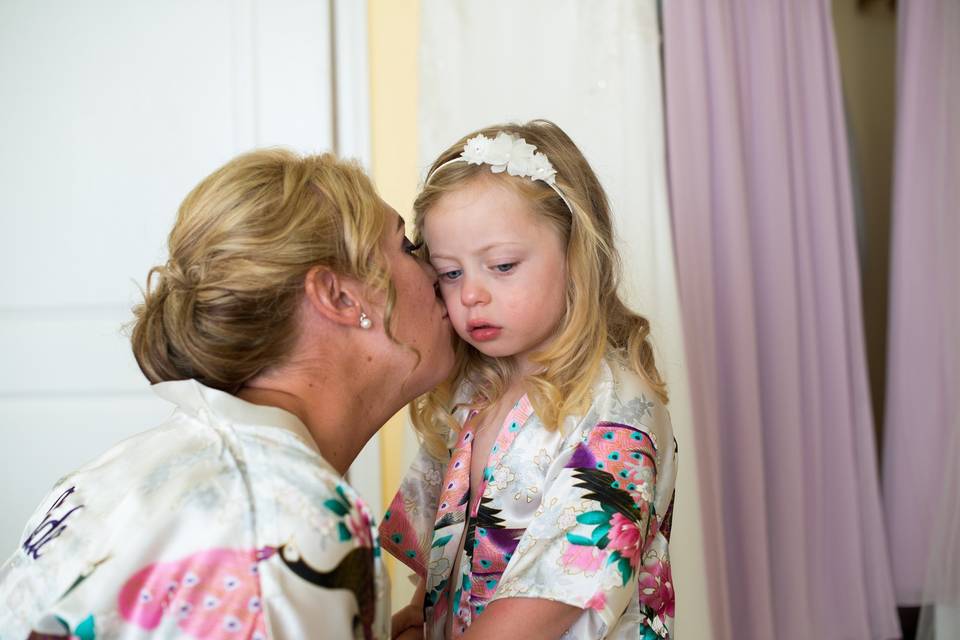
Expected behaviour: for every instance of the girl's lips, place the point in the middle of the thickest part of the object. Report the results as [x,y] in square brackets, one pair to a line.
[485,333]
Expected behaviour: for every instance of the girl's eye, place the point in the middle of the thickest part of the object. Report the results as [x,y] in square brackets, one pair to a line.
[451,275]
[506,267]
[411,248]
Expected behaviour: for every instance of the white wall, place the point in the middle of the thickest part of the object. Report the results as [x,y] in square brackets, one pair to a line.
[594,69]
[110,112]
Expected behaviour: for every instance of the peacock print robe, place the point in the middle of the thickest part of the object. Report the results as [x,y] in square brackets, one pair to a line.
[223,522]
[580,515]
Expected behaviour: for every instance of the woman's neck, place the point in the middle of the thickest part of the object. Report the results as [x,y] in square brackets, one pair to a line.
[340,414]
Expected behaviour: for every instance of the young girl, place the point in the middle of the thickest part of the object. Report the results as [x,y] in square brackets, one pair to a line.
[544,487]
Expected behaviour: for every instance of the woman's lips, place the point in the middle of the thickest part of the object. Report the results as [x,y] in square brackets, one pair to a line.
[484,333]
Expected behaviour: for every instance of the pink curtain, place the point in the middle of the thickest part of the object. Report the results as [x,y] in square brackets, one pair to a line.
[769,284]
[923,379]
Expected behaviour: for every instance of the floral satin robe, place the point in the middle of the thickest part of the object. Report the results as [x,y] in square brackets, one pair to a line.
[580,515]
[224,522]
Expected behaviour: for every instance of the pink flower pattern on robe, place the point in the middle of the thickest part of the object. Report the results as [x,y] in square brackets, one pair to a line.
[625,537]
[586,559]
[211,594]
[656,587]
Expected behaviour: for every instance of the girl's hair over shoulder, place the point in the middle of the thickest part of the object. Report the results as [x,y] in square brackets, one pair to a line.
[225,305]
[596,319]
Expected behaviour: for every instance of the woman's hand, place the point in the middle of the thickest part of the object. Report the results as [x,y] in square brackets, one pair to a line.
[407,623]
[412,633]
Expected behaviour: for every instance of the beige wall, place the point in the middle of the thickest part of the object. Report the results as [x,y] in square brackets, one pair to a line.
[393,39]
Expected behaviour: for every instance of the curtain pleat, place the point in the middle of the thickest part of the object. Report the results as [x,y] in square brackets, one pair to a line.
[767,266]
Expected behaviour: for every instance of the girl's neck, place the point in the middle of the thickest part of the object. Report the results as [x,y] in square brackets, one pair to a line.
[512,392]
[523,368]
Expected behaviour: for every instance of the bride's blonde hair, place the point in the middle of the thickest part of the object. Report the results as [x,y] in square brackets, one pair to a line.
[595,320]
[224,306]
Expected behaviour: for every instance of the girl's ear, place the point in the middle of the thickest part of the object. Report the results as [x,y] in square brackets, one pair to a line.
[333,296]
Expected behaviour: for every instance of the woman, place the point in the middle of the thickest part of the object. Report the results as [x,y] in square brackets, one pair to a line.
[289,323]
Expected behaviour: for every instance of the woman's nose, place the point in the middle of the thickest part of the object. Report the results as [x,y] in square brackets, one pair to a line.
[429,270]
[432,275]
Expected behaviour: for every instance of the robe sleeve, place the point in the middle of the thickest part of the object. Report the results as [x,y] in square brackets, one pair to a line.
[327,585]
[598,542]
[407,527]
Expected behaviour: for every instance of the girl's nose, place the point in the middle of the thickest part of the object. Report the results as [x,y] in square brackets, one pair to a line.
[473,292]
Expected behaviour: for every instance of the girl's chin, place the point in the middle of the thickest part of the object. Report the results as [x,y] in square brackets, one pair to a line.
[490,350]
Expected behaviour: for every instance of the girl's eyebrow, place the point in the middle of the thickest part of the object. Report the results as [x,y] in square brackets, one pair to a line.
[481,250]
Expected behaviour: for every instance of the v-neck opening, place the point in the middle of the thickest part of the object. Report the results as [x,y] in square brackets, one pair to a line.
[463,453]
[506,434]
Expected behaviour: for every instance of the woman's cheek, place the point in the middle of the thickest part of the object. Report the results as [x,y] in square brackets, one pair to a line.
[445,294]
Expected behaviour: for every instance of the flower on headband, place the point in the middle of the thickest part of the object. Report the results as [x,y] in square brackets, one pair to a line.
[475,149]
[498,153]
[541,169]
[521,158]
[510,154]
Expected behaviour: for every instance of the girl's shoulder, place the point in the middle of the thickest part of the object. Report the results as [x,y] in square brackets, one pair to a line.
[464,396]
[620,396]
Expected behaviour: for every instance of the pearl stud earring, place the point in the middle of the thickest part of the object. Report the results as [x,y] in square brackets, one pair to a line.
[365,321]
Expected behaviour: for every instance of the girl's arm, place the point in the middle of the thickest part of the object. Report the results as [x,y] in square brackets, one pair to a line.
[528,618]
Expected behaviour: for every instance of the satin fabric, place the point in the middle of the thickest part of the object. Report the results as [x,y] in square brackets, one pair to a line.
[225,520]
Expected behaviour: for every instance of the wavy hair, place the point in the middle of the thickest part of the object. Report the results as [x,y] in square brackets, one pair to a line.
[224,307]
[595,320]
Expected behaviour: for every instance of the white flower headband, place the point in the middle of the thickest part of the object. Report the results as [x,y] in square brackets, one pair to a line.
[510,154]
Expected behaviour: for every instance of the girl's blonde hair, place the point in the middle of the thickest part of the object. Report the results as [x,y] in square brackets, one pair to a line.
[595,320]
[225,305]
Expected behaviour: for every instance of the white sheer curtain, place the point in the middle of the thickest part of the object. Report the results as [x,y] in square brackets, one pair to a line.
[922,448]
[594,69]
[940,618]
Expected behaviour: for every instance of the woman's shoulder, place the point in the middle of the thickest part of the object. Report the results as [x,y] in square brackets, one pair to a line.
[148,463]
[177,497]
[205,477]
[117,514]
[192,469]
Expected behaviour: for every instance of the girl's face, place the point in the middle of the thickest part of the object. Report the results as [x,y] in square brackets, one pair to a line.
[502,269]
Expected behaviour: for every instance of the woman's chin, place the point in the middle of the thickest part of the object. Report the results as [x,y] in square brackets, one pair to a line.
[433,371]
[446,366]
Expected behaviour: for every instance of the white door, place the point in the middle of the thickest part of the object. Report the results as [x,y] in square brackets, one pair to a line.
[110,112]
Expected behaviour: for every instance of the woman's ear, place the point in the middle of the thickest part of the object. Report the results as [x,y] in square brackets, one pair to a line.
[333,296]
